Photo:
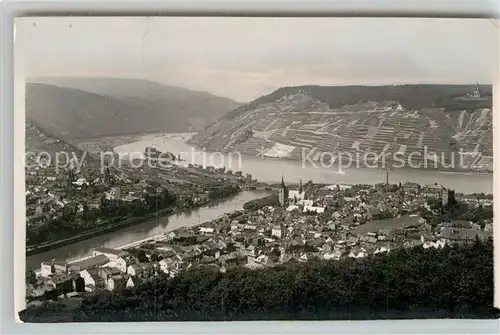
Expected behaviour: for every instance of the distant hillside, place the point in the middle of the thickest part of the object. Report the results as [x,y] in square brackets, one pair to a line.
[37,140]
[138,106]
[410,96]
[360,119]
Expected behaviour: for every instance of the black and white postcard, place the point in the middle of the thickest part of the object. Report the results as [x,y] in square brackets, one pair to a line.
[247,168]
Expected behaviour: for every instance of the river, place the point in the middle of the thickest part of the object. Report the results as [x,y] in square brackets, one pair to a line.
[271,170]
[266,170]
[144,230]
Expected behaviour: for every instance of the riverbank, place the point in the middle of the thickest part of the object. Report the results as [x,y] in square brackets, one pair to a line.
[160,237]
[32,250]
[144,230]
[270,170]
[348,164]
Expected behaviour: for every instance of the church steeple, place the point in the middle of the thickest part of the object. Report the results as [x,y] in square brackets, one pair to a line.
[283,193]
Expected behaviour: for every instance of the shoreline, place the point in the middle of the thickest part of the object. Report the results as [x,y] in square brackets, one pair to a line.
[288,159]
[154,237]
[36,249]
[168,230]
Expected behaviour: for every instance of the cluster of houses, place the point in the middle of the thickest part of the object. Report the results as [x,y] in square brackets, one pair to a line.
[314,222]
[51,193]
[50,199]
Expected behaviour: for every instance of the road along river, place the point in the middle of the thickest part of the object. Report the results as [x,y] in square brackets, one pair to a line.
[144,230]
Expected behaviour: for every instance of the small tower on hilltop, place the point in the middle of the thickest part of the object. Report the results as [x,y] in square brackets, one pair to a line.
[476,93]
[283,193]
[300,186]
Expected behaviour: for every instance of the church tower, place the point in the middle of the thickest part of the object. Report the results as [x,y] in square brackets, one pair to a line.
[283,193]
[300,186]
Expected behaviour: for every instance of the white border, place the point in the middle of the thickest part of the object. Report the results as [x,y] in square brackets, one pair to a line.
[8,178]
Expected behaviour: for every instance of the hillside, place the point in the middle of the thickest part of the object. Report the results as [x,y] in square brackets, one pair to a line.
[158,107]
[38,140]
[360,119]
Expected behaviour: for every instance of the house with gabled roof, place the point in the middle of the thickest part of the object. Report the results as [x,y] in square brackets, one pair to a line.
[116,282]
[134,270]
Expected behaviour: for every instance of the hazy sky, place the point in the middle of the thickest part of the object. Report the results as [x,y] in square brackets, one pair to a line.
[243,58]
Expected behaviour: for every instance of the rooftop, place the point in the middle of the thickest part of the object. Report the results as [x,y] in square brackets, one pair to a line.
[376,225]
[116,252]
[91,262]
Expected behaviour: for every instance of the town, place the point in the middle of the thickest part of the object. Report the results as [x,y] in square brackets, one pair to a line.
[299,223]
[64,207]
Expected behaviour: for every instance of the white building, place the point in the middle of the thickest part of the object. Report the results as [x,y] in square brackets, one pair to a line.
[296,196]
[121,264]
[277,231]
[48,269]
[80,182]
[116,192]
[134,270]
[130,282]
[206,230]
[315,209]
[115,282]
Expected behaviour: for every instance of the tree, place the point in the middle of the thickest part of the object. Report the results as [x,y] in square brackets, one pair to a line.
[30,277]
[155,257]
[80,284]
[401,283]
[141,256]
[85,214]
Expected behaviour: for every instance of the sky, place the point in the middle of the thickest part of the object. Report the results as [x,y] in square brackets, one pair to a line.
[244,58]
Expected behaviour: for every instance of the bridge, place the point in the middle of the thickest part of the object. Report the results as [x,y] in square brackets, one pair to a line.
[258,187]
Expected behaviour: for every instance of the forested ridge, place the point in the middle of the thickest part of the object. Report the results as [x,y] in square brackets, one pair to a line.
[453,282]
[410,96]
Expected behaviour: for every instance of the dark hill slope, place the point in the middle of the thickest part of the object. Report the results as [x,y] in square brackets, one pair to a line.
[73,114]
[178,109]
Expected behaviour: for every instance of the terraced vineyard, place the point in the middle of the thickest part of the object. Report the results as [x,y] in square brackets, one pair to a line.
[407,123]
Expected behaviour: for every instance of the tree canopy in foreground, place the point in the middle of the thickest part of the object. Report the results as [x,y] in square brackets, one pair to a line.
[453,282]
